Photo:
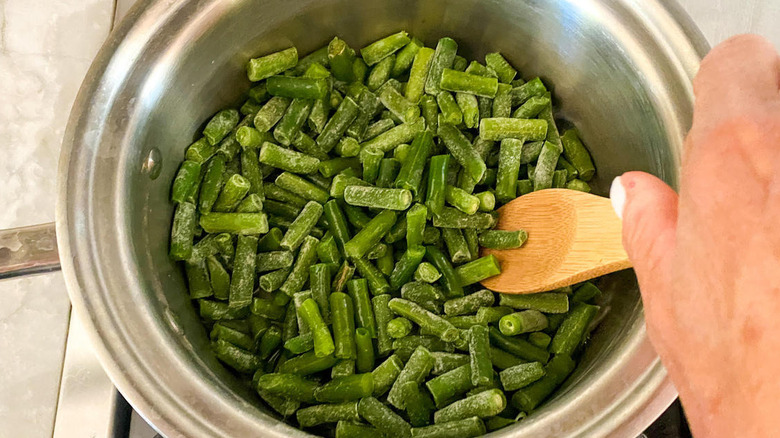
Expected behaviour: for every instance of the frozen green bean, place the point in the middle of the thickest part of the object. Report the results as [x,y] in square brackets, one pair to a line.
[443,58]
[548,302]
[503,239]
[463,82]
[269,65]
[286,159]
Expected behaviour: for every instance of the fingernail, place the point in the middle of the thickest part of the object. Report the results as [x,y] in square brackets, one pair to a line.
[617,194]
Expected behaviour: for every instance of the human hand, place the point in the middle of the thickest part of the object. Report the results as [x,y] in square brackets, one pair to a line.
[708,261]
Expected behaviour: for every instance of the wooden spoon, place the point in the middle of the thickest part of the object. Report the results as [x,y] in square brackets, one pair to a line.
[572,236]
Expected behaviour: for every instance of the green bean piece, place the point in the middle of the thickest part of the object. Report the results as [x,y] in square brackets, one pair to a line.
[435,324]
[270,114]
[444,362]
[430,112]
[302,226]
[238,223]
[465,428]
[285,407]
[386,263]
[319,280]
[183,231]
[490,177]
[450,111]
[528,398]
[258,93]
[500,128]
[418,404]
[397,104]
[524,187]
[427,273]
[483,404]
[465,321]
[397,232]
[418,74]
[280,209]
[383,316]
[461,149]
[220,125]
[300,271]
[370,235]
[532,88]
[375,197]
[376,280]
[347,147]
[345,389]
[577,155]
[341,58]
[508,169]
[520,376]
[337,224]
[273,280]
[503,360]
[469,107]
[306,145]
[506,73]
[388,140]
[548,302]
[218,311]
[437,175]
[307,364]
[229,146]
[273,191]
[405,57]
[478,270]
[461,199]
[342,315]
[273,260]
[454,218]
[405,267]
[386,374]
[323,341]
[427,296]
[271,241]
[381,49]
[456,245]
[572,330]
[343,275]
[469,303]
[399,327]
[545,167]
[462,82]
[186,182]
[552,129]
[365,351]
[234,190]
[369,105]
[345,367]
[416,369]
[347,429]
[364,313]
[292,121]
[539,339]
[450,279]
[479,356]
[388,171]
[522,322]
[586,292]
[267,309]
[532,107]
[328,413]
[379,127]
[328,251]
[518,347]
[269,65]
[443,58]
[383,418]
[249,137]
[355,215]
[222,330]
[485,107]
[270,342]
[289,386]
[449,385]
[380,73]
[472,241]
[250,107]
[200,151]
[338,124]
[218,278]
[237,358]
[415,225]
[503,239]
[286,159]
[198,280]
[305,189]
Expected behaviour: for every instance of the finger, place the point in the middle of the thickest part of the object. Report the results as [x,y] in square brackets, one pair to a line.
[739,73]
[649,215]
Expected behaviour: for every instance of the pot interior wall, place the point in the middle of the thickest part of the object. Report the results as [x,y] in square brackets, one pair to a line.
[601,83]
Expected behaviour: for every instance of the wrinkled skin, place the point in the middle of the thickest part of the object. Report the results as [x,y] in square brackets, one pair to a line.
[708,261]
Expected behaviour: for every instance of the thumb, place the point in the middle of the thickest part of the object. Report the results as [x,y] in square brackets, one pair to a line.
[648,208]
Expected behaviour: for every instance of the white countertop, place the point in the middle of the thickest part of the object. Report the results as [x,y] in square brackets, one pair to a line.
[45,49]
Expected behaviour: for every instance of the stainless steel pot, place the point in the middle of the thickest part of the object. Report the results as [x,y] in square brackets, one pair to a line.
[622,72]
